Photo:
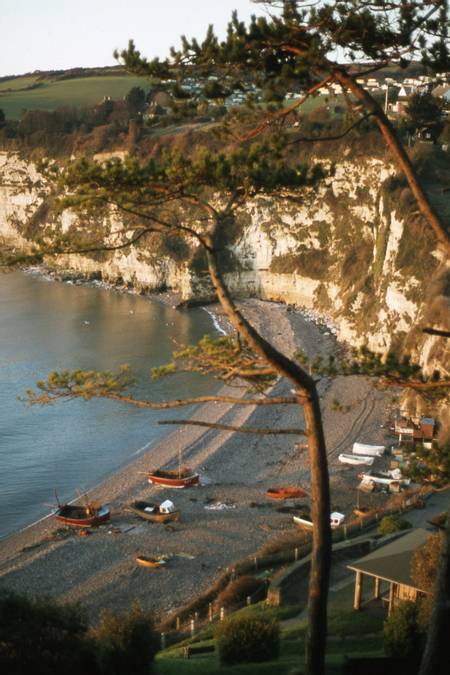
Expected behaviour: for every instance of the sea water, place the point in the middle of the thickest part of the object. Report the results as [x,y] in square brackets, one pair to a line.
[72,445]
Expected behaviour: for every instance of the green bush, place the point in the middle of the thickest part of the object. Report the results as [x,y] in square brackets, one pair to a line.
[126,643]
[402,634]
[391,524]
[243,639]
[40,636]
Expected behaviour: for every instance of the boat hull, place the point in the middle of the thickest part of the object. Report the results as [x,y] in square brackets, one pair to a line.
[368,450]
[285,493]
[356,460]
[165,480]
[76,516]
[157,517]
[145,561]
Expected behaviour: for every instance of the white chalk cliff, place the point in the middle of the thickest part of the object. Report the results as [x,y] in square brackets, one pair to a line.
[350,251]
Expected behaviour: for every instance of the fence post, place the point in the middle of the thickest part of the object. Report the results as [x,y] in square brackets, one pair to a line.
[163,640]
[249,600]
[256,563]
[296,554]
[192,626]
[222,613]
[210,612]
[177,624]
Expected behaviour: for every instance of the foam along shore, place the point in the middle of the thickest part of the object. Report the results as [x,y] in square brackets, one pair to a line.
[100,570]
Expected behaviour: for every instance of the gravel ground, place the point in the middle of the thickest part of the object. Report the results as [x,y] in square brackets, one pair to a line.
[100,570]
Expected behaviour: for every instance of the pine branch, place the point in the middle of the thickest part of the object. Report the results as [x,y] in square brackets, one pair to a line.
[177,403]
[243,430]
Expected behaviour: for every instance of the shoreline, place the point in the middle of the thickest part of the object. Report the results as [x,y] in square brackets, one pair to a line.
[100,570]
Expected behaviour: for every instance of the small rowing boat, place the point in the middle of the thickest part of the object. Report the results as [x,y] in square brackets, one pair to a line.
[154,512]
[356,460]
[368,450]
[285,493]
[147,561]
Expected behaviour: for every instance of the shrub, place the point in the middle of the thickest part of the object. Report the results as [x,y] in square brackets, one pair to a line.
[402,634]
[40,636]
[424,570]
[126,643]
[243,639]
[391,524]
[238,590]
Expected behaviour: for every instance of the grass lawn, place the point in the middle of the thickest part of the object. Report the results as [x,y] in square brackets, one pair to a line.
[350,633]
[78,92]
[291,656]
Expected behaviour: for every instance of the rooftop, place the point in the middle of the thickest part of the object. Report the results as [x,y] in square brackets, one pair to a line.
[393,561]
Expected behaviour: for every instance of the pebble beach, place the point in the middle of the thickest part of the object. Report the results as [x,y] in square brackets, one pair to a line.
[224,520]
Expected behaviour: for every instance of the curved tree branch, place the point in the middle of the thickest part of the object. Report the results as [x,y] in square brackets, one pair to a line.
[242,430]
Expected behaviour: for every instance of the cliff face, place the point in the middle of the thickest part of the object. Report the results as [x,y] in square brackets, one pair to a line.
[355,252]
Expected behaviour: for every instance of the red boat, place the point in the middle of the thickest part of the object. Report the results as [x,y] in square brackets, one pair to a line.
[82,516]
[285,493]
[178,478]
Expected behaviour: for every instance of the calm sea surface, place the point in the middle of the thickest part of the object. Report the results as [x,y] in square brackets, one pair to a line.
[72,445]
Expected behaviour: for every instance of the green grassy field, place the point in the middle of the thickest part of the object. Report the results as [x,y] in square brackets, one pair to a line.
[78,92]
[350,633]
[18,83]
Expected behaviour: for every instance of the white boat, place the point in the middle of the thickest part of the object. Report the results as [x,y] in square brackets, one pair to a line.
[368,450]
[336,519]
[356,460]
[394,476]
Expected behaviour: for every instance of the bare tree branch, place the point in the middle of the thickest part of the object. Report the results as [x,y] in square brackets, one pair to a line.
[242,430]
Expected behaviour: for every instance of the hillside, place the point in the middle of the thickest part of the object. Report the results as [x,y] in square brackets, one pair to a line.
[49,92]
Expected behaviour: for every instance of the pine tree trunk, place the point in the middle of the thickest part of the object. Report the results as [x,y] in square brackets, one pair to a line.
[320,491]
[321,551]
[399,154]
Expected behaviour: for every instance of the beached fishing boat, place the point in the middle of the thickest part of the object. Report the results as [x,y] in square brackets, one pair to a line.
[182,477]
[285,493]
[356,460]
[154,512]
[305,521]
[147,561]
[178,478]
[368,450]
[384,478]
[82,516]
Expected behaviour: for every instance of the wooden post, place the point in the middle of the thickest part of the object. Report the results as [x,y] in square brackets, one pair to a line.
[192,626]
[178,623]
[222,613]
[296,554]
[391,598]
[163,640]
[210,612]
[256,563]
[249,600]
[377,593]
[358,591]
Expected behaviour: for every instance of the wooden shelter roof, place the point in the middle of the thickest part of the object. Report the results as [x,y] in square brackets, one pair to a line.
[393,561]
